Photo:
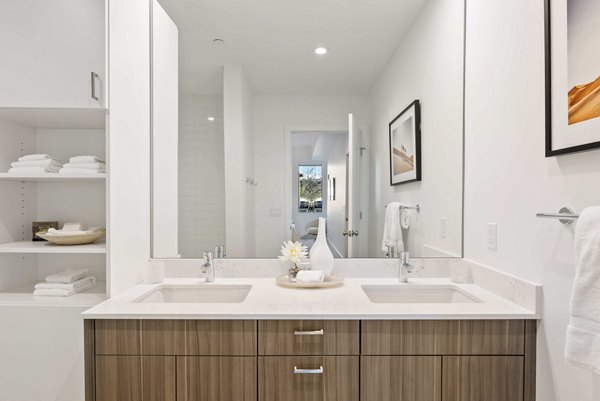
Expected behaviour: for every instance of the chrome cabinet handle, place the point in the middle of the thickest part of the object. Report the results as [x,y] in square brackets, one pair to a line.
[351,233]
[309,333]
[318,371]
[94,94]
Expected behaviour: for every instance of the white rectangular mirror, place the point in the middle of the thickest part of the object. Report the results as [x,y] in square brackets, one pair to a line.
[265,121]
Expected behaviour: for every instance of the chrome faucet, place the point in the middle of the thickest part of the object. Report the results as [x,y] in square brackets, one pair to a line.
[208,267]
[405,267]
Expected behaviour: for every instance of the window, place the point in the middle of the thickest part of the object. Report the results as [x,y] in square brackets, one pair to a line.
[310,188]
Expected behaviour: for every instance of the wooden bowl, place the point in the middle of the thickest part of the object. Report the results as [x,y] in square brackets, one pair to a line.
[79,239]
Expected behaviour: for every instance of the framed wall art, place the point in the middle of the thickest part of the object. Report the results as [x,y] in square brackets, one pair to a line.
[572,29]
[405,145]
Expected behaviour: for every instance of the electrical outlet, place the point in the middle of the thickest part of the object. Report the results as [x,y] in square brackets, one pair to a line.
[492,236]
[443,227]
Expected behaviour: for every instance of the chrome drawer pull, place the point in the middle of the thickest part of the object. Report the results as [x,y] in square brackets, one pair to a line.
[308,371]
[309,333]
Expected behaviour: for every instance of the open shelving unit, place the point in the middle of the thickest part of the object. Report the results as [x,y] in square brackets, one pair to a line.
[25,198]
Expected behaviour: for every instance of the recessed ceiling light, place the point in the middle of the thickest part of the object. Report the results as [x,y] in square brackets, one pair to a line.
[211,119]
[321,51]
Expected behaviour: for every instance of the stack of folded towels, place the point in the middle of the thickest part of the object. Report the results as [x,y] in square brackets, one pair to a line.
[65,283]
[84,165]
[35,164]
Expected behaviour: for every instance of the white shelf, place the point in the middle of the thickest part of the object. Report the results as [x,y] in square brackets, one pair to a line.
[46,247]
[55,117]
[52,177]
[23,295]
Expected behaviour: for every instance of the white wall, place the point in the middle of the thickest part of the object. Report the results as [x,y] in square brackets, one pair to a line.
[165,81]
[273,114]
[336,209]
[239,162]
[201,175]
[128,133]
[428,66]
[508,179]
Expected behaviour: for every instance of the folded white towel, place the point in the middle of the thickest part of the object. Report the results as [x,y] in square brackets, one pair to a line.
[310,276]
[33,170]
[37,163]
[74,286]
[85,159]
[67,276]
[63,292]
[392,232]
[582,346]
[81,171]
[85,165]
[28,158]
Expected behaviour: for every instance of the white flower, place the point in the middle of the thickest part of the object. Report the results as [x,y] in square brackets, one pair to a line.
[293,252]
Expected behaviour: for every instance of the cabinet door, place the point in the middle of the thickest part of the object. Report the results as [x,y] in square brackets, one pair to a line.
[211,378]
[400,378]
[49,50]
[483,378]
[135,378]
[308,378]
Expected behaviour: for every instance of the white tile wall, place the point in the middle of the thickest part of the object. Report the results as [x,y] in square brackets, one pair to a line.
[201,177]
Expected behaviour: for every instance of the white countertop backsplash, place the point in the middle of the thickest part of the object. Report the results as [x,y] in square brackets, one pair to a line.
[503,296]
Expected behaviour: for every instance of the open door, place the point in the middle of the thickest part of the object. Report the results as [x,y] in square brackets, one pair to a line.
[353,198]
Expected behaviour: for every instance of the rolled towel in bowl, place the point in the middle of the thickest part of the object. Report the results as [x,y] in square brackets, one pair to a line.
[85,159]
[28,158]
[310,276]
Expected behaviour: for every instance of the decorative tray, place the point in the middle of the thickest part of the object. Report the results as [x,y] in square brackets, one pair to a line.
[330,281]
[78,239]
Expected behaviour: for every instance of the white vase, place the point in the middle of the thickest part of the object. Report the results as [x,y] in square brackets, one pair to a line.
[320,255]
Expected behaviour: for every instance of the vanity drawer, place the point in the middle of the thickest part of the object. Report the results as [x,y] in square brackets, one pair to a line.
[308,378]
[443,337]
[176,337]
[308,337]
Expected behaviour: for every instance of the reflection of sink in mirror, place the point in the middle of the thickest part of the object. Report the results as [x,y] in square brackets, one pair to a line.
[418,294]
[207,293]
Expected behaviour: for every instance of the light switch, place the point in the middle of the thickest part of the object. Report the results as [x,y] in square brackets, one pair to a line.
[275,212]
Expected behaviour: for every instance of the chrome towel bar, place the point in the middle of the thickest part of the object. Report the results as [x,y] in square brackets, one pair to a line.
[417,207]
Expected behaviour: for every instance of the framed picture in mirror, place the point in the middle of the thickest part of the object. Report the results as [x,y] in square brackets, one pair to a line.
[572,76]
[405,145]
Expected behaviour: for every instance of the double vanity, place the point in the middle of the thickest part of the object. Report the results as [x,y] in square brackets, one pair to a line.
[371,339]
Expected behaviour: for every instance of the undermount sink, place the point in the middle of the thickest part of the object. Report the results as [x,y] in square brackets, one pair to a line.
[200,293]
[418,294]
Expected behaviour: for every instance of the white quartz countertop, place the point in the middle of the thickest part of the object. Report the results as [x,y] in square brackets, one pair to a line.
[267,300]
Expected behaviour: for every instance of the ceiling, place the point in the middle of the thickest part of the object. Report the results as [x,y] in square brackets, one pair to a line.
[274,40]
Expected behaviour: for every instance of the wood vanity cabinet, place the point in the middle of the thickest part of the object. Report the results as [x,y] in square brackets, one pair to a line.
[310,360]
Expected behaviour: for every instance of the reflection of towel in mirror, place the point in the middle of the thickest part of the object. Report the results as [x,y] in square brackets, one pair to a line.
[583,332]
[404,218]
[392,232]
